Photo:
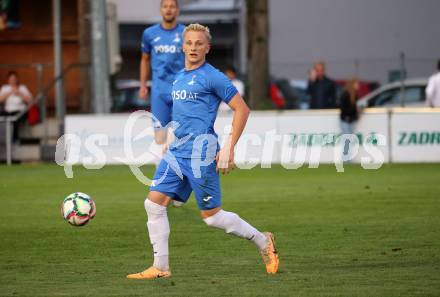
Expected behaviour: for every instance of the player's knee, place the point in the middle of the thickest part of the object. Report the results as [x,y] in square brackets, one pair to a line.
[223,220]
[154,209]
[210,221]
[160,137]
[147,205]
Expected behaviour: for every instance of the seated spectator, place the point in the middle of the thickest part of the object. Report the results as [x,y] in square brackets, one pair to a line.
[16,98]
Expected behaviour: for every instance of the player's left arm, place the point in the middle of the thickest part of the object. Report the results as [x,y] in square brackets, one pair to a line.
[225,158]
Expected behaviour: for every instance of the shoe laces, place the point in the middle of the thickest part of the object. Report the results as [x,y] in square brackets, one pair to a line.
[266,253]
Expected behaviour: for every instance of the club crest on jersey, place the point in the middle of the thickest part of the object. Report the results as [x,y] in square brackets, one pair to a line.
[191,82]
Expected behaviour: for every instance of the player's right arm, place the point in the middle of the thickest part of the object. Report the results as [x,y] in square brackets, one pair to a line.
[144,75]
[145,65]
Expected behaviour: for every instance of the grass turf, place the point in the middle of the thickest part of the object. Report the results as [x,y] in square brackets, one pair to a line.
[359,233]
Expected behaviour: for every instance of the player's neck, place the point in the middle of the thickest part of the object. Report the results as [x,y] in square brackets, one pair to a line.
[169,25]
[191,66]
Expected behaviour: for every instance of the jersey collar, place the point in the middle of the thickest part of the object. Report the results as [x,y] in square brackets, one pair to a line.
[189,71]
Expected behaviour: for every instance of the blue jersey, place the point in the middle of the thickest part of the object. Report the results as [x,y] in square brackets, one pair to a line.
[166,55]
[196,96]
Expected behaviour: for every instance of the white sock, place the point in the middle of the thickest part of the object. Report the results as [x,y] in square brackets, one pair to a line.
[158,231]
[233,224]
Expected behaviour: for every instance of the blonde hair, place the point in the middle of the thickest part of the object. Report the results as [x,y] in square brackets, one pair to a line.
[351,87]
[175,1]
[198,28]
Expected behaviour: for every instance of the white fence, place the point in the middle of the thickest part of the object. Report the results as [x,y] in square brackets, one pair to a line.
[291,138]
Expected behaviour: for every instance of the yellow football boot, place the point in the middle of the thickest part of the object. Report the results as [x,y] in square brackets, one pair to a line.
[150,273]
[270,255]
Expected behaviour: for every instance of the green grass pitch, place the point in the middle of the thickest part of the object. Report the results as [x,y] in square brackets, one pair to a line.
[358,233]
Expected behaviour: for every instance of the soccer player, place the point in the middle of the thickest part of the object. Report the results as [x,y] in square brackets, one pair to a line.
[162,55]
[194,160]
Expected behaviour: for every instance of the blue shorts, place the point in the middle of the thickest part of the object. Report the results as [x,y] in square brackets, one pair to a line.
[179,183]
[161,107]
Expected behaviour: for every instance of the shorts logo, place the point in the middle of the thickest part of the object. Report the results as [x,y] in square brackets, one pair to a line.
[207,198]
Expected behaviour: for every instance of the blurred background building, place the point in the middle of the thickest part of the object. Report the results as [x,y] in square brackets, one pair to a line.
[355,38]
[376,40]
[30,42]
[224,18]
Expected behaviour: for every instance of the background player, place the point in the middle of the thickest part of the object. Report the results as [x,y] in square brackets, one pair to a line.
[162,57]
[197,92]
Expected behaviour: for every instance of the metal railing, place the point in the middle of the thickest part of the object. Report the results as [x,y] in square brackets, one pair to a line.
[39,99]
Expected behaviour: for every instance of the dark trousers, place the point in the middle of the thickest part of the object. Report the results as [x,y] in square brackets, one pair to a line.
[16,124]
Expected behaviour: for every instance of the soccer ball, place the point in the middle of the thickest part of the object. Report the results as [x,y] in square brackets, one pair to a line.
[78,209]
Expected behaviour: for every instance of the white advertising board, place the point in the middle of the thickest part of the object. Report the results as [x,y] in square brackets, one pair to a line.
[305,137]
[317,135]
[292,138]
[110,139]
[256,145]
[415,135]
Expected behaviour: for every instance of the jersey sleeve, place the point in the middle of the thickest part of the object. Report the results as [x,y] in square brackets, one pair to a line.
[223,87]
[145,44]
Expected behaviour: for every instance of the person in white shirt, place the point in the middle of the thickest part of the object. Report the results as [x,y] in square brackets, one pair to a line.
[433,89]
[15,96]
[232,75]
[238,84]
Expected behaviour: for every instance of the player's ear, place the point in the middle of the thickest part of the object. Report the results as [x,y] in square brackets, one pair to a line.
[208,48]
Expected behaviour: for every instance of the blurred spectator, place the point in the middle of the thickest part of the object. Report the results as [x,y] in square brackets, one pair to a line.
[14,95]
[349,110]
[16,98]
[277,97]
[433,89]
[322,90]
[231,73]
